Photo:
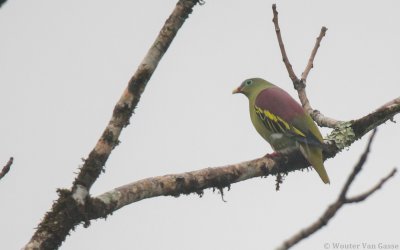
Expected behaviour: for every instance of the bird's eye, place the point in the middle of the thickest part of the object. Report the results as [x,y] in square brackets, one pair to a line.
[248,82]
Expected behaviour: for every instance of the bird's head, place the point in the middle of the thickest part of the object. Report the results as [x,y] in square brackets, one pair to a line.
[252,86]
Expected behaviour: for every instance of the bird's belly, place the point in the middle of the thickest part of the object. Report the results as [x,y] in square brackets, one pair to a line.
[279,141]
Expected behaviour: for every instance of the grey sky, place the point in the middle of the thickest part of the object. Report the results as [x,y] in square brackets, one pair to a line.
[63,65]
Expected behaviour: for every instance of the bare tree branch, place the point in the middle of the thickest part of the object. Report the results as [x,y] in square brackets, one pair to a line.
[6,168]
[68,210]
[75,205]
[341,200]
[300,84]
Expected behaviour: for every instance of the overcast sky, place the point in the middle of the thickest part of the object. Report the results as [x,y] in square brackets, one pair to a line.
[64,64]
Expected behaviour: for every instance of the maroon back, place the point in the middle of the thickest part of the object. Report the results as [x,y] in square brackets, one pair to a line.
[278,102]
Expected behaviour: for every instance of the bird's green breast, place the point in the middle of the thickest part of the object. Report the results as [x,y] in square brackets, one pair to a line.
[258,124]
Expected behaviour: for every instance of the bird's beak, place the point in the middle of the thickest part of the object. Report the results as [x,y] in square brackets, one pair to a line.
[237,90]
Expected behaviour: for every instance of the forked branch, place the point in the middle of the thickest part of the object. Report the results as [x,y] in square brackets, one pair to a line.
[341,200]
[300,84]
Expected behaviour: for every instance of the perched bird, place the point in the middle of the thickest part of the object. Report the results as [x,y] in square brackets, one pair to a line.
[282,122]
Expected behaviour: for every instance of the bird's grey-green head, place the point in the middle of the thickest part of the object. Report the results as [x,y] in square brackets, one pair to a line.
[252,86]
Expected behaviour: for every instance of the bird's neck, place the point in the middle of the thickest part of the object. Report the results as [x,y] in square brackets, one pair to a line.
[252,97]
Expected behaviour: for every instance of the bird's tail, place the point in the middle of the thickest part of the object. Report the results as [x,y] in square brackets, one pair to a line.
[314,157]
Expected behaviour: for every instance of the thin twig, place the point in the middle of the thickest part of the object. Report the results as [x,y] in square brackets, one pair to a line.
[357,168]
[285,58]
[6,168]
[341,200]
[310,63]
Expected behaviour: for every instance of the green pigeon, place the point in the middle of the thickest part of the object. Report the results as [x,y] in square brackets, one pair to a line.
[282,122]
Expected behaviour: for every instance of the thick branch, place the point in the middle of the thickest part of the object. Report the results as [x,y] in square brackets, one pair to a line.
[218,177]
[184,183]
[341,200]
[6,168]
[300,84]
[126,105]
[66,212]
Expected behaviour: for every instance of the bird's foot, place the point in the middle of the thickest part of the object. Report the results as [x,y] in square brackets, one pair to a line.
[273,155]
[278,156]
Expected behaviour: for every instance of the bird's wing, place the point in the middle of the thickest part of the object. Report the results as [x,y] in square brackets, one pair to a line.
[277,124]
[280,113]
